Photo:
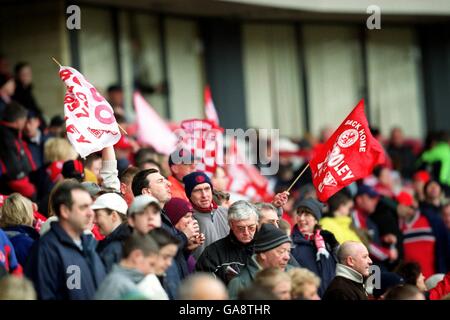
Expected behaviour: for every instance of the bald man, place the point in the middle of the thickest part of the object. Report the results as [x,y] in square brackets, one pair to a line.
[202,286]
[351,272]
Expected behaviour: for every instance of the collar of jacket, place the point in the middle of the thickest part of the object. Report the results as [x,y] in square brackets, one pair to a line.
[235,242]
[13,231]
[88,242]
[348,273]
[298,237]
[121,233]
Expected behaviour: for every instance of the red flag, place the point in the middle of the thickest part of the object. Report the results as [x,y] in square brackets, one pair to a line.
[210,110]
[350,154]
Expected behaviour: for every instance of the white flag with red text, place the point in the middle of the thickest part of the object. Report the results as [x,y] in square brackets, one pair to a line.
[151,128]
[90,122]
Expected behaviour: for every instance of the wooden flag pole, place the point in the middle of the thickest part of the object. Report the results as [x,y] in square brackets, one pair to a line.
[296,179]
[122,129]
[56,61]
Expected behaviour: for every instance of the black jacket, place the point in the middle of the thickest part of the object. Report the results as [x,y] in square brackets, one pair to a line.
[60,270]
[225,257]
[15,159]
[344,289]
[110,248]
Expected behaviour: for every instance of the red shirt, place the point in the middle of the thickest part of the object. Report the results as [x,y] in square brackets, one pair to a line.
[419,243]
[177,189]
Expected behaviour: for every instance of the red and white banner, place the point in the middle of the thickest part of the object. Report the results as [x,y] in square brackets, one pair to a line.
[90,122]
[151,128]
[210,110]
[350,154]
[205,140]
[245,178]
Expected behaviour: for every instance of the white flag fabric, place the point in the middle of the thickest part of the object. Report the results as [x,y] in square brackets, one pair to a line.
[90,122]
[210,110]
[152,129]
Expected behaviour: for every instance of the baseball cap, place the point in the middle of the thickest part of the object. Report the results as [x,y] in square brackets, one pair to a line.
[111,201]
[141,202]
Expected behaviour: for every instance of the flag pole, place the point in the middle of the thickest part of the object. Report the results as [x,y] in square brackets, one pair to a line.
[296,179]
[56,61]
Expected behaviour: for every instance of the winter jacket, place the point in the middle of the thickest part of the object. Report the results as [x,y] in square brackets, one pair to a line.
[246,277]
[347,285]
[214,225]
[8,259]
[22,238]
[60,270]
[110,248]
[225,257]
[119,283]
[440,154]
[304,251]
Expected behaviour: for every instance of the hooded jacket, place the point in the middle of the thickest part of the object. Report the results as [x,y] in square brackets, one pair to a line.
[119,283]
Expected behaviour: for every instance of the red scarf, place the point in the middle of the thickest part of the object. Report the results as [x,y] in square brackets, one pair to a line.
[203,210]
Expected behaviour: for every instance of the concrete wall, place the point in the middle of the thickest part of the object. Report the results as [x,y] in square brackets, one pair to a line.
[35,33]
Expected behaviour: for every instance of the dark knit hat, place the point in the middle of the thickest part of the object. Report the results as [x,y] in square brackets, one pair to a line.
[269,237]
[193,179]
[73,169]
[176,209]
[312,205]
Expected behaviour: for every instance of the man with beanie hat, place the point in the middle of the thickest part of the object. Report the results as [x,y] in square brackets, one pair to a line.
[212,219]
[272,247]
[314,248]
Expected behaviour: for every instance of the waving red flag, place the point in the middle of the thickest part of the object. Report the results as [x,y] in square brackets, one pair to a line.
[350,154]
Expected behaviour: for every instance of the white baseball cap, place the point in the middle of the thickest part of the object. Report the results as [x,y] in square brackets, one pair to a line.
[141,202]
[111,201]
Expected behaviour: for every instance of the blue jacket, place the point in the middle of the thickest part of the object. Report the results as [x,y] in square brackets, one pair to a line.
[442,245]
[8,258]
[22,238]
[60,270]
[110,248]
[304,251]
